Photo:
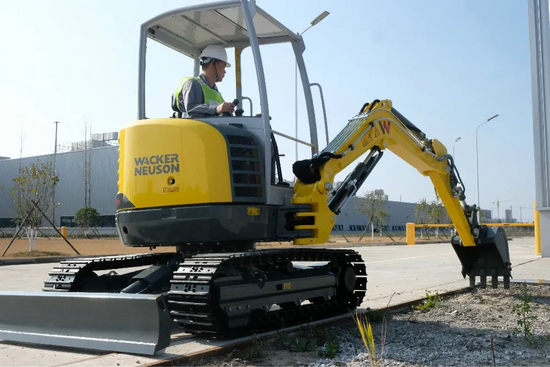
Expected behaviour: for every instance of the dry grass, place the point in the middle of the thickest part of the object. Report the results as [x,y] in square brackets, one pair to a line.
[86,247]
[36,254]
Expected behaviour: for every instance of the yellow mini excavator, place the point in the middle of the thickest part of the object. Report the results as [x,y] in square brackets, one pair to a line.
[213,187]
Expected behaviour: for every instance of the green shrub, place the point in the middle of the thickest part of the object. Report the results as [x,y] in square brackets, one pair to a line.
[430,302]
[375,315]
[303,344]
[329,350]
[86,218]
[524,317]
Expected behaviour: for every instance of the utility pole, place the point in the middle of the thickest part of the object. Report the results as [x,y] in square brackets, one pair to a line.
[19,172]
[54,171]
[477,158]
[457,139]
[87,164]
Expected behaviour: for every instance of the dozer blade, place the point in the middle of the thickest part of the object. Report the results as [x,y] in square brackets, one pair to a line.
[491,257]
[128,323]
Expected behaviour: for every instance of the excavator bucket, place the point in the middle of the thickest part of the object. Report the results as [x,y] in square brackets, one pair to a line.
[128,323]
[490,257]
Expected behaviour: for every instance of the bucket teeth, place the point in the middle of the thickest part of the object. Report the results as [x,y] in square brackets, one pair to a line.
[489,257]
[483,279]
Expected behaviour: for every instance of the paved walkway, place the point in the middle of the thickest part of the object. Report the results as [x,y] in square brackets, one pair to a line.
[396,274]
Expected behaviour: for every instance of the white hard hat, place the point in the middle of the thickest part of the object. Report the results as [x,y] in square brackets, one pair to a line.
[215,52]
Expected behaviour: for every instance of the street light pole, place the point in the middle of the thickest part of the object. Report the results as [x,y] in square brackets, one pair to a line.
[477,156]
[457,139]
[54,172]
[315,21]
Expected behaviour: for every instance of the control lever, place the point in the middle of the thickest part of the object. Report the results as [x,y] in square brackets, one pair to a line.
[238,112]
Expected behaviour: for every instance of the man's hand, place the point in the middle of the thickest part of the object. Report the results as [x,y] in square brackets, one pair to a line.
[225,107]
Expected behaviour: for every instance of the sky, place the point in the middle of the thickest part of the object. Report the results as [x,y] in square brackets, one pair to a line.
[447,66]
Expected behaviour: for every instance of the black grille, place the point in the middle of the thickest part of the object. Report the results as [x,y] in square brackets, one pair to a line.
[246,165]
[238,152]
[240,140]
[246,173]
[246,178]
[254,192]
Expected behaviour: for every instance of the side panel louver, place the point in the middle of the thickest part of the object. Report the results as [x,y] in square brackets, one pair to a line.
[246,168]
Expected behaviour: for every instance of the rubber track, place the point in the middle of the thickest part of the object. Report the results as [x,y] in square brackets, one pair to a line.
[191,304]
[63,276]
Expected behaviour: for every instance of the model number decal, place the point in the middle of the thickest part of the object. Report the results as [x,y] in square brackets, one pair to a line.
[170,189]
[156,164]
[253,211]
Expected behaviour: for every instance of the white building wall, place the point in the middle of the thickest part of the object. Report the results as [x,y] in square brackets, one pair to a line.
[70,189]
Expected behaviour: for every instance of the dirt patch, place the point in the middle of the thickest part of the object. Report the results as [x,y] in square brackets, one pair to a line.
[113,246]
[457,332]
[86,247]
[37,254]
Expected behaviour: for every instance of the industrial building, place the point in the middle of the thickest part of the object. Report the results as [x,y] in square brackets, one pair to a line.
[73,187]
[99,164]
[509,217]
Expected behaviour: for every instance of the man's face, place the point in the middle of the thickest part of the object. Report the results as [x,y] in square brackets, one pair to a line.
[220,69]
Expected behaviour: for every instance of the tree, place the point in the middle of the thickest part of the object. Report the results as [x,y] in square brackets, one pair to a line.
[482,216]
[35,183]
[86,218]
[421,213]
[373,206]
[436,213]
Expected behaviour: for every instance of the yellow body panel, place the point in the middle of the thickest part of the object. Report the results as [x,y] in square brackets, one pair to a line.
[383,129]
[167,162]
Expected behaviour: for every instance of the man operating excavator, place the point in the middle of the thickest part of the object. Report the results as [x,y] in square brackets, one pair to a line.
[207,188]
[199,97]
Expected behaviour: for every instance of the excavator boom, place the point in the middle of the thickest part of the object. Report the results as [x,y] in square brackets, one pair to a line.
[481,250]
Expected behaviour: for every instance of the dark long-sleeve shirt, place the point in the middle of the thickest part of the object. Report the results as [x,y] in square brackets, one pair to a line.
[193,99]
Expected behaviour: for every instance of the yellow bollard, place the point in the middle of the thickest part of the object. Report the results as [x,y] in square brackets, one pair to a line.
[537,230]
[410,233]
[64,231]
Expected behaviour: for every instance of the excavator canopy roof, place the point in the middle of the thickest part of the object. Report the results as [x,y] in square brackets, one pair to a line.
[189,30]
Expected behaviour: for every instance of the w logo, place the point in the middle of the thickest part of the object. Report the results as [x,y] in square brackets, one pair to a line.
[385,125]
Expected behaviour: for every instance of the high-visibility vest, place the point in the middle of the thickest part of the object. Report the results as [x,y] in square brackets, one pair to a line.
[211,96]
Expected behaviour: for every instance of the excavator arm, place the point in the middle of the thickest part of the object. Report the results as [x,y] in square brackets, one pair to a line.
[481,250]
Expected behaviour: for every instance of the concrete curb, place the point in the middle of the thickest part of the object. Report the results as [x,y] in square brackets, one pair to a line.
[531,281]
[357,244]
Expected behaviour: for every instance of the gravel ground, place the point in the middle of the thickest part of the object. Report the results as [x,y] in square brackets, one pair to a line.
[455,333]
